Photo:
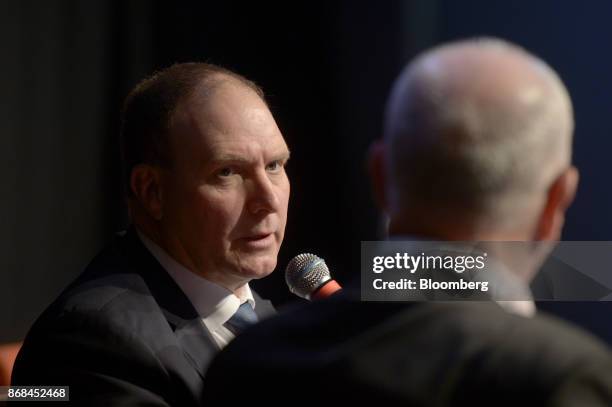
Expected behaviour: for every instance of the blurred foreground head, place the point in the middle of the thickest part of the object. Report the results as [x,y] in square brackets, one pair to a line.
[477,146]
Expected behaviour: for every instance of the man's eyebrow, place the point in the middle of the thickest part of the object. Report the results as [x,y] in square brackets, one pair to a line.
[234,158]
[228,158]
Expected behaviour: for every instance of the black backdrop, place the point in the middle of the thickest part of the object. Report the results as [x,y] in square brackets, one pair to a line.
[326,67]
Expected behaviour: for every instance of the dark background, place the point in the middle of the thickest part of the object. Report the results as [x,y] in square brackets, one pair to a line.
[326,67]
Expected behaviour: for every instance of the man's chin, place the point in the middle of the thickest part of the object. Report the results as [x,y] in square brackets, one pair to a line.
[256,267]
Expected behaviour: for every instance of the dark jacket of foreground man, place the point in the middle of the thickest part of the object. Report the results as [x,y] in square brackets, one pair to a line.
[413,354]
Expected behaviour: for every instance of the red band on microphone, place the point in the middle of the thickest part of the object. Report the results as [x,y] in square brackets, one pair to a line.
[326,290]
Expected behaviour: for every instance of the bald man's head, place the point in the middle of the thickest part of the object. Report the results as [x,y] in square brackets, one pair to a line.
[476,131]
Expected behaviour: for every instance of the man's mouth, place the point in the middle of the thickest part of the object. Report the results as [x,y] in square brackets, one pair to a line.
[258,240]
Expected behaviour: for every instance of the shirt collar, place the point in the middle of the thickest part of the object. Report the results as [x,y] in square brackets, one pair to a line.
[214,303]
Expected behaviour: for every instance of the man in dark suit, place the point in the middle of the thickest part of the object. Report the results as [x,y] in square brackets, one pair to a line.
[477,148]
[208,197]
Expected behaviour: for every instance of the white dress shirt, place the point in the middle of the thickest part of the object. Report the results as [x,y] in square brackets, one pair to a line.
[215,304]
[515,288]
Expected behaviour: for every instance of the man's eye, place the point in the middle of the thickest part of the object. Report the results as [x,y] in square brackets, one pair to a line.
[225,172]
[274,166]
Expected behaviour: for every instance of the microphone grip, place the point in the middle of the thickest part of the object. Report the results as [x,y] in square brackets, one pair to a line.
[329,288]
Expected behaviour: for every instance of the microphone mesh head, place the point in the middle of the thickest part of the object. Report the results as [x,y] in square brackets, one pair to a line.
[305,273]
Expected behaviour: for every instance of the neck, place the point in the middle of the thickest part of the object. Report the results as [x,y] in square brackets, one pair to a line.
[522,258]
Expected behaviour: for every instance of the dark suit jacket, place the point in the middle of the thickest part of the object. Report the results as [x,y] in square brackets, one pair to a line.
[561,281]
[122,334]
[415,354]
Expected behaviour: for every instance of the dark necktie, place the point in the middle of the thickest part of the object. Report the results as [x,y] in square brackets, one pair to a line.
[243,318]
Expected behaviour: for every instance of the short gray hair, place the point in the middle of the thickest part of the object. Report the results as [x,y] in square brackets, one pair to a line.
[449,150]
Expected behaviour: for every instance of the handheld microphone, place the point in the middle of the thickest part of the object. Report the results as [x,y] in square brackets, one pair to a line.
[307,276]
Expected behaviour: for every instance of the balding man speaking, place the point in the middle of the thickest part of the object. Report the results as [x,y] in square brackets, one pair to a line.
[208,197]
[477,147]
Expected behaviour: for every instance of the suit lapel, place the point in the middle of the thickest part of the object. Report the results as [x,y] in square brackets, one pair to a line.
[198,346]
[196,342]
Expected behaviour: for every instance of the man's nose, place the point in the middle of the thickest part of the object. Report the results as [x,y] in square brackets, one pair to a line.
[262,196]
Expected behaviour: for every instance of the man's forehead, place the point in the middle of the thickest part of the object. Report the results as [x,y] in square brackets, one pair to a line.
[216,146]
[211,94]
[233,112]
[249,128]
[228,149]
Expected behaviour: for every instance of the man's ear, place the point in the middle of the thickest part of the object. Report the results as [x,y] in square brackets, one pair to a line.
[560,196]
[376,163]
[145,183]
